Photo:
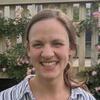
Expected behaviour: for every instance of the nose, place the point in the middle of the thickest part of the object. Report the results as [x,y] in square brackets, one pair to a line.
[47,52]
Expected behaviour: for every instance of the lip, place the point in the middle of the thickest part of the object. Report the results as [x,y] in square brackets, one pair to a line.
[49,64]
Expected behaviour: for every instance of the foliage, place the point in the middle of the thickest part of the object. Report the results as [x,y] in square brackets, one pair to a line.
[93,80]
[11,27]
[91,20]
[21,25]
[3,61]
[87,25]
[15,62]
[3,26]
[76,13]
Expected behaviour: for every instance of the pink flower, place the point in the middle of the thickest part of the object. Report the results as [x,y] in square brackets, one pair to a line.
[4,69]
[97,89]
[18,63]
[27,62]
[23,62]
[98,47]
[96,14]
[94,73]
[29,70]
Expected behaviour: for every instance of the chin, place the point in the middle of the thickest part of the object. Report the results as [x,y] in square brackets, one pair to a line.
[50,75]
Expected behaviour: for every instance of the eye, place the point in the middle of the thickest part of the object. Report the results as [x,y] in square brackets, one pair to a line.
[57,44]
[37,45]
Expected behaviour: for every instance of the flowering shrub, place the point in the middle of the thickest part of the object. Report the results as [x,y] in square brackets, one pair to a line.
[93,80]
[90,22]
[14,62]
[10,27]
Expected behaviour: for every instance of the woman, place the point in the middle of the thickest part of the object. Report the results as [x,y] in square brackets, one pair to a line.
[50,38]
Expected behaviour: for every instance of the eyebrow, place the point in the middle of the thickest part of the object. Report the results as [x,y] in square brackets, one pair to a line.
[39,41]
[36,41]
[57,40]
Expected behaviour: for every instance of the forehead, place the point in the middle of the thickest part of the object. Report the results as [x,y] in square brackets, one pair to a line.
[48,27]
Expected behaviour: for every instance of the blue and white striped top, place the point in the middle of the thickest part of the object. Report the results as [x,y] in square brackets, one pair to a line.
[22,91]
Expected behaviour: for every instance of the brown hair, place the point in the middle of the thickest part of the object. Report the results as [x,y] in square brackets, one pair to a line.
[60,16]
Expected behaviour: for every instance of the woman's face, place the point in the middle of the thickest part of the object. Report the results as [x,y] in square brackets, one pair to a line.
[48,48]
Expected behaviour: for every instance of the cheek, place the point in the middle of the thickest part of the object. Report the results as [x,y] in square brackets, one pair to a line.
[34,54]
[64,52]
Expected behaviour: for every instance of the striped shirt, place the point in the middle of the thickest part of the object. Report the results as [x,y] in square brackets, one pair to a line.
[22,91]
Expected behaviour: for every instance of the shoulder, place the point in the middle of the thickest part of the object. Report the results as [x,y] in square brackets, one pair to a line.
[82,94]
[15,92]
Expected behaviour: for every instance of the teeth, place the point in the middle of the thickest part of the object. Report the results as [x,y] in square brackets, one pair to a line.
[48,63]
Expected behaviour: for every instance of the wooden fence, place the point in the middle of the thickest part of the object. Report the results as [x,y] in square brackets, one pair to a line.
[83,8]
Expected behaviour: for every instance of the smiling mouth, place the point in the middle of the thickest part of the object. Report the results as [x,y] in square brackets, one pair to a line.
[49,64]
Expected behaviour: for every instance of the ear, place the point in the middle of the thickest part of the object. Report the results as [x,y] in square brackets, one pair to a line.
[28,53]
[71,52]
[28,49]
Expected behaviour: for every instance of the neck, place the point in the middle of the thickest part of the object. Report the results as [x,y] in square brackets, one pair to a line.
[51,86]
[51,89]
